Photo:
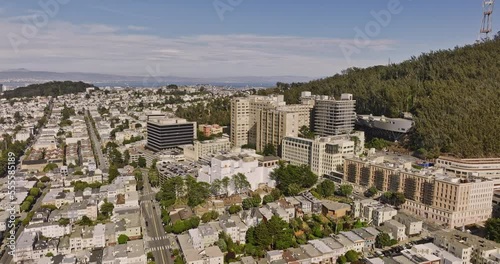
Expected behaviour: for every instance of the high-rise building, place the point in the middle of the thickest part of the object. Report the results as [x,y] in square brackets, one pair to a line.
[167,133]
[1,88]
[430,193]
[273,125]
[334,117]
[323,154]
[243,117]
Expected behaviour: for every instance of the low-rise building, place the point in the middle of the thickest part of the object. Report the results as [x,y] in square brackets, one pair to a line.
[49,229]
[398,230]
[413,225]
[467,247]
[335,210]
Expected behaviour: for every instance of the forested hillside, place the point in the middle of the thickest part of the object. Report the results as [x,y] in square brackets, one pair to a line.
[48,89]
[454,96]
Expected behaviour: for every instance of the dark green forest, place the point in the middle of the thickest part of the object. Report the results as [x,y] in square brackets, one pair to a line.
[216,111]
[454,96]
[48,89]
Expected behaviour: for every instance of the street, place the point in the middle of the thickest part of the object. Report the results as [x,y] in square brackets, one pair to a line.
[96,144]
[158,242]
[7,258]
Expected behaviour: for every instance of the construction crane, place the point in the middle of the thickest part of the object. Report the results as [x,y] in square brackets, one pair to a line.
[486,24]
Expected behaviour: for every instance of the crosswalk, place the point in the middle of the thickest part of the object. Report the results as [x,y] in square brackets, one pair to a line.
[159,238]
[160,248]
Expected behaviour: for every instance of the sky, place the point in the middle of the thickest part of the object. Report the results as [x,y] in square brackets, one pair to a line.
[225,38]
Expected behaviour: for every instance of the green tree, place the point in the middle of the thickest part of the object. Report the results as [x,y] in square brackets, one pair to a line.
[179,227]
[85,221]
[123,239]
[292,179]
[49,255]
[352,256]
[209,216]
[63,221]
[305,132]
[492,228]
[233,209]
[345,190]
[107,209]
[225,184]
[269,150]
[326,188]
[268,199]
[51,207]
[372,191]
[25,206]
[35,192]
[383,240]
[216,187]
[394,198]
[45,179]
[247,203]
[113,173]
[240,182]
[341,259]
[50,167]
[141,162]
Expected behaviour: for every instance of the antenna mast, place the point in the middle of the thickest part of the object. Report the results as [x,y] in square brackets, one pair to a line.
[486,23]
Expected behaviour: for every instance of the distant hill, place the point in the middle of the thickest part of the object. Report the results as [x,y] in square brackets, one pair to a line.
[48,89]
[24,76]
[454,96]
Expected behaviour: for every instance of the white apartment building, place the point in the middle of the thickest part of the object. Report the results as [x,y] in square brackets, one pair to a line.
[245,162]
[398,229]
[48,229]
[383,214]
[413,225]
[322,154]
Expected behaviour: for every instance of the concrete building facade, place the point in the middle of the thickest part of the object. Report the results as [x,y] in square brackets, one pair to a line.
[334,117]
[430,194]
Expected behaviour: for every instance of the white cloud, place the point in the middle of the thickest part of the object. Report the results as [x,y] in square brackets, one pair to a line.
[137,28]
[65,47]
[99,28]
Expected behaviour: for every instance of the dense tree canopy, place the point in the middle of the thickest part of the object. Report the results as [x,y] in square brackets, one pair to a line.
[215,111]
[292,179]
[452,94]
[48,89]
[492,227]
[186,189]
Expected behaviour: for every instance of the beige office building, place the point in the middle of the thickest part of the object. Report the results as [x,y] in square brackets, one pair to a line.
[430,193]
[323,154]
[273,125]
